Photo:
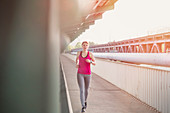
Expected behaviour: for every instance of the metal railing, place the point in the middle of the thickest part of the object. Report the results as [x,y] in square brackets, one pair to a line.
[151,86]
[158,43]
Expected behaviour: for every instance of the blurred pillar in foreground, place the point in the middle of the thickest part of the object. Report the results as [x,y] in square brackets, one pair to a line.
[29,56]
[53,58]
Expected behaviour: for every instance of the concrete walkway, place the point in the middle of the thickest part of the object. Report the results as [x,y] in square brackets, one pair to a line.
[104,97]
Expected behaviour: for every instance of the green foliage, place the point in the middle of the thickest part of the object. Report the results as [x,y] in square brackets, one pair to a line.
[78,45]
[91,43]
[69,48]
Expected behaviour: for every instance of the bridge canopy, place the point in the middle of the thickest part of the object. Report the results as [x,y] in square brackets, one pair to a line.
[77,15]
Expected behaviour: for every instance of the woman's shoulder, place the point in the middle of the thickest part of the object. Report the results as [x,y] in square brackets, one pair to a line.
[91,54]
[78,53]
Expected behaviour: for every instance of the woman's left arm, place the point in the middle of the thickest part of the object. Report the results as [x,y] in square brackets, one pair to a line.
[93,61]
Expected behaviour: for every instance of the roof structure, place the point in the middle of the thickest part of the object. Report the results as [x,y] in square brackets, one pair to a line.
[77,15]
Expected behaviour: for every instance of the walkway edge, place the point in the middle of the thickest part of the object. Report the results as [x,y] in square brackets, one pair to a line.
[67,92]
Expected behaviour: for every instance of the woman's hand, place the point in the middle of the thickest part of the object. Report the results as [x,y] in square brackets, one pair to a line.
[88,61]
[93,63]
[77,66]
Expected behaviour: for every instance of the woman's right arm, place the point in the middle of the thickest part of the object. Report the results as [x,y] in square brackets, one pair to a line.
[77,60]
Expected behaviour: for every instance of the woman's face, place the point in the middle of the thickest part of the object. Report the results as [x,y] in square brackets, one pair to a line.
[85,46]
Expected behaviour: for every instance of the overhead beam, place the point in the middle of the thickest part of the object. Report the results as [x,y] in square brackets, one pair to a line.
[73,29]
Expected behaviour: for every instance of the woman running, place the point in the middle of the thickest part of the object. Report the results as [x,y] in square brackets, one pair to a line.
[83,61]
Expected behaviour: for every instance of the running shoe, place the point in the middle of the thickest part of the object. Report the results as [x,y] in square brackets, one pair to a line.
[83,109]
[85,105]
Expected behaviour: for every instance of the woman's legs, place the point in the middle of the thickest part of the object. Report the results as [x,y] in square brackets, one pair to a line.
[80,80]
[83,82]
[87,83]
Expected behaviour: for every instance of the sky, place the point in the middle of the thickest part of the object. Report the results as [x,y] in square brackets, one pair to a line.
[129,19]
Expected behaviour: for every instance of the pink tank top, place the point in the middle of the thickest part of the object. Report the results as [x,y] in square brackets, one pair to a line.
[84,67]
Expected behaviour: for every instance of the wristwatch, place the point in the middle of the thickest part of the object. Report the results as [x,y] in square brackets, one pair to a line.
[90,61]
